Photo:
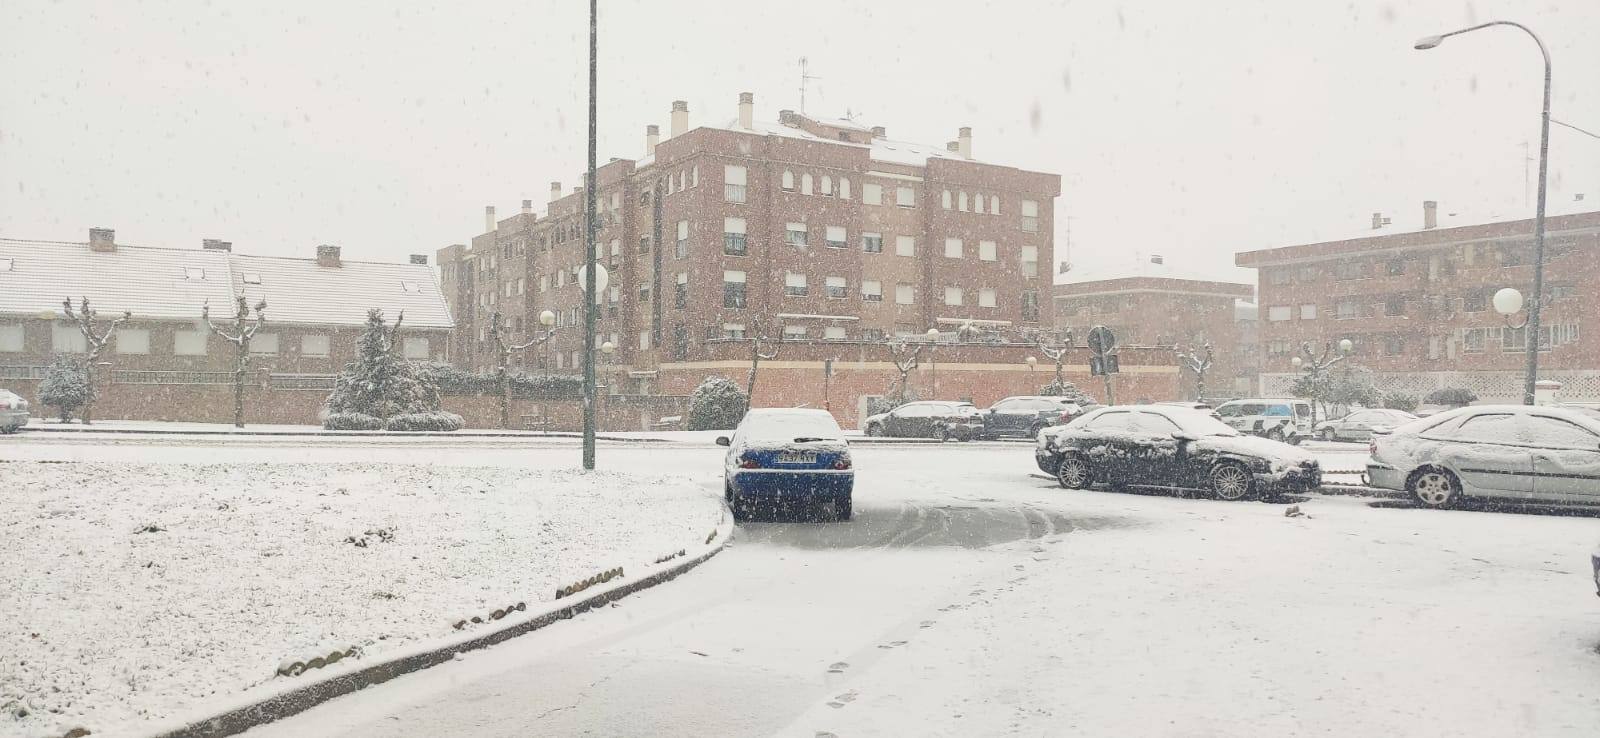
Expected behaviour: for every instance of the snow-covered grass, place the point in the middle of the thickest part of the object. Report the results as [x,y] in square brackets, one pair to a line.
[135,593]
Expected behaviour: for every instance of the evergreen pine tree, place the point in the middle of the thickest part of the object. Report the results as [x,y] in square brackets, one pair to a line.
[381,390]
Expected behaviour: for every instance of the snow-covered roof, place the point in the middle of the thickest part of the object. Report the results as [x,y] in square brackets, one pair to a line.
[1129,265]
[1410,219]
[167,283]
[881,149]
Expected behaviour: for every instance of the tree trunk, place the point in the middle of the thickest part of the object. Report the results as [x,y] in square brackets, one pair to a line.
[88,402]
[750,381]
[238,397]
[505,394]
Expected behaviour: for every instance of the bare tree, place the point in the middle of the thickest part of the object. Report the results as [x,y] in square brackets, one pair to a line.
[94,341]
[503,352]
[1057,352]
[904,356]
[1198,362]
[244,329]
[762,348]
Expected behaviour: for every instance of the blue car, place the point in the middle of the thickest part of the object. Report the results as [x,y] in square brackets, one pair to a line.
[781,456]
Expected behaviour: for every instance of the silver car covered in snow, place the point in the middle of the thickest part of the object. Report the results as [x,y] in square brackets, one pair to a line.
[1518,452]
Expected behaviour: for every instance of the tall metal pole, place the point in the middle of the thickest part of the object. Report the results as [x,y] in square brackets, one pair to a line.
[1532,334]
[589,257]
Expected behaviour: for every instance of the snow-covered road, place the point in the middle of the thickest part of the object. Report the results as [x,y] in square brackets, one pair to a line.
[972,597]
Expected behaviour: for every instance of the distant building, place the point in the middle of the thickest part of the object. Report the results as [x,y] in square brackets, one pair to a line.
[163,363]
[1417,304]
[1150,304]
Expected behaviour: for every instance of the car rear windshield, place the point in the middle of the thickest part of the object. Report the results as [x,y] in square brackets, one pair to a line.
[787,428]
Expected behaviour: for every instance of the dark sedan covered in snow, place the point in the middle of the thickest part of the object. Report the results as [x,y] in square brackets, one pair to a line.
[1175,448]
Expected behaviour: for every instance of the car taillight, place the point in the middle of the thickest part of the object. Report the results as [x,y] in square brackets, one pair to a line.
[841,463]
[749,462]
[1066,415]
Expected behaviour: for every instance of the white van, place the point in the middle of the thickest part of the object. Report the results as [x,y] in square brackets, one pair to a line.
[1280,419]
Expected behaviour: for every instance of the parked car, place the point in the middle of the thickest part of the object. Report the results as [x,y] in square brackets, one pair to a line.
[1175,448]
[1521,452]
[1026,415]
[1277,419]
[1358,426]
[921,419]
[13,411]
[787,455]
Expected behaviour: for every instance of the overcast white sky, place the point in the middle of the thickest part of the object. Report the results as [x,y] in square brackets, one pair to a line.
[1183,128]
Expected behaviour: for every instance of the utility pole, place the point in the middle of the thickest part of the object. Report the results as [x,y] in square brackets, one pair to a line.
[589,251]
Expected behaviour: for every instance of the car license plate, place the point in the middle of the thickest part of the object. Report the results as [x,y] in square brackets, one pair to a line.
[796,457]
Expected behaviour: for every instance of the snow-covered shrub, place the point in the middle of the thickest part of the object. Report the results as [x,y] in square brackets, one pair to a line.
[351,421]
[66,387]
[1451,396]
[1068,390]
[380,383]
[437,420]
[1400,401]
[717,404]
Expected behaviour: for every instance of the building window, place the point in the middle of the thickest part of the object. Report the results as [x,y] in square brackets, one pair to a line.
[986,251]
[683,239]
[871,194]
[1278,277]
[1393,345]
[644,245]
[11,338]
[872,334]
[65,338]
[952,296]
[1396,267]
[1030,261]
[794,332]
[644,340]
[1350,270]
[805,183]
[1475,302]
[944,199]
[314,346]
[1308,311]
[680,343]
[733,237]
[961,202]
[794,285]
[1394,306]
[835,237]
[905,246]
[616,249]
[1278,312]
[994,204]
[844,188]
[733,289]
[694,181]
[835,288]
[872,243]
[189,343]
[1347,309]
[977,203]
[680,291]
[1030,307]
[131,341]
[266,344]
[733,330]
[795,234]
[905,197]
[905,294]
[871,290]
[1030,216]
[788,181]
[733,184]
[986,297]
[952,248]
[835,333]
[1473,339]
[616,294]
[827,186]
[544,282]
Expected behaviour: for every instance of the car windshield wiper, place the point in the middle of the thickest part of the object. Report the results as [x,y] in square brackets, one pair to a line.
[808,439]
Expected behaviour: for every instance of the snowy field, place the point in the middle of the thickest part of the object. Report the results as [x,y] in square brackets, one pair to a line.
[137,592]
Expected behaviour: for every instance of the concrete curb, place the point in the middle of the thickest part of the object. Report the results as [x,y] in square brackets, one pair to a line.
[262,710]
[336,434]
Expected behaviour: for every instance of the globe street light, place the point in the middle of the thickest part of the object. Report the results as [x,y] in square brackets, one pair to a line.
[1428,42]
[1508,301]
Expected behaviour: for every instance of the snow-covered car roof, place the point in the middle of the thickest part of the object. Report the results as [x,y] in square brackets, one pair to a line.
[1580,417]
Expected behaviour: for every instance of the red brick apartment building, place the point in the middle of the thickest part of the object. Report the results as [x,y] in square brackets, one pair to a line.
[830,235]
[1417,304]
[1158,309]
[163,364]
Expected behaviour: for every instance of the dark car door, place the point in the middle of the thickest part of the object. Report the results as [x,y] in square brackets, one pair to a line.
[1154,453]
[1108,445]
[1001,418]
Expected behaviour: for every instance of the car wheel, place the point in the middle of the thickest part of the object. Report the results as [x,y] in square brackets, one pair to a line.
[1327,434]
[1231,481]
[842,509]
[1276,434]
[1072,473]
[874,430]
[1435,488]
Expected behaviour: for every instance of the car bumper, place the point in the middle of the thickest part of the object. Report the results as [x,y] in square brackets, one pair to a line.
[17,418]
[794,485]
[1292,482]
[1384,476]
[1046,461]
[1594,562]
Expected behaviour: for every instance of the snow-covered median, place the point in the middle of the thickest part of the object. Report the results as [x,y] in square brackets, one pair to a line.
[135,593]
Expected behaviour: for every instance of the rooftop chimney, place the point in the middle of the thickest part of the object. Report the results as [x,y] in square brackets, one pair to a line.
[488,218]
[212,244]
[327,256]
[1430,214]
[419,259]
[652,136]
[1156,259]
[747,110]
[880,132]
[1377,221]
[555,191]
[527,207]
[102,240]
[680,117]
[965,140]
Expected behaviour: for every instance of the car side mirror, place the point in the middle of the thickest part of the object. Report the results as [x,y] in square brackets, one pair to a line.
[724,441]
[1183,436]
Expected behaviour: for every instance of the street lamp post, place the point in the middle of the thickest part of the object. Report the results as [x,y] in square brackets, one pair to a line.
[1318,366]
[933,364]
[1532,377]
[589,256]
[546,319]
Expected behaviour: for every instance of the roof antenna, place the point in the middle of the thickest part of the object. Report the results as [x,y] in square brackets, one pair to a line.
[804,78]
